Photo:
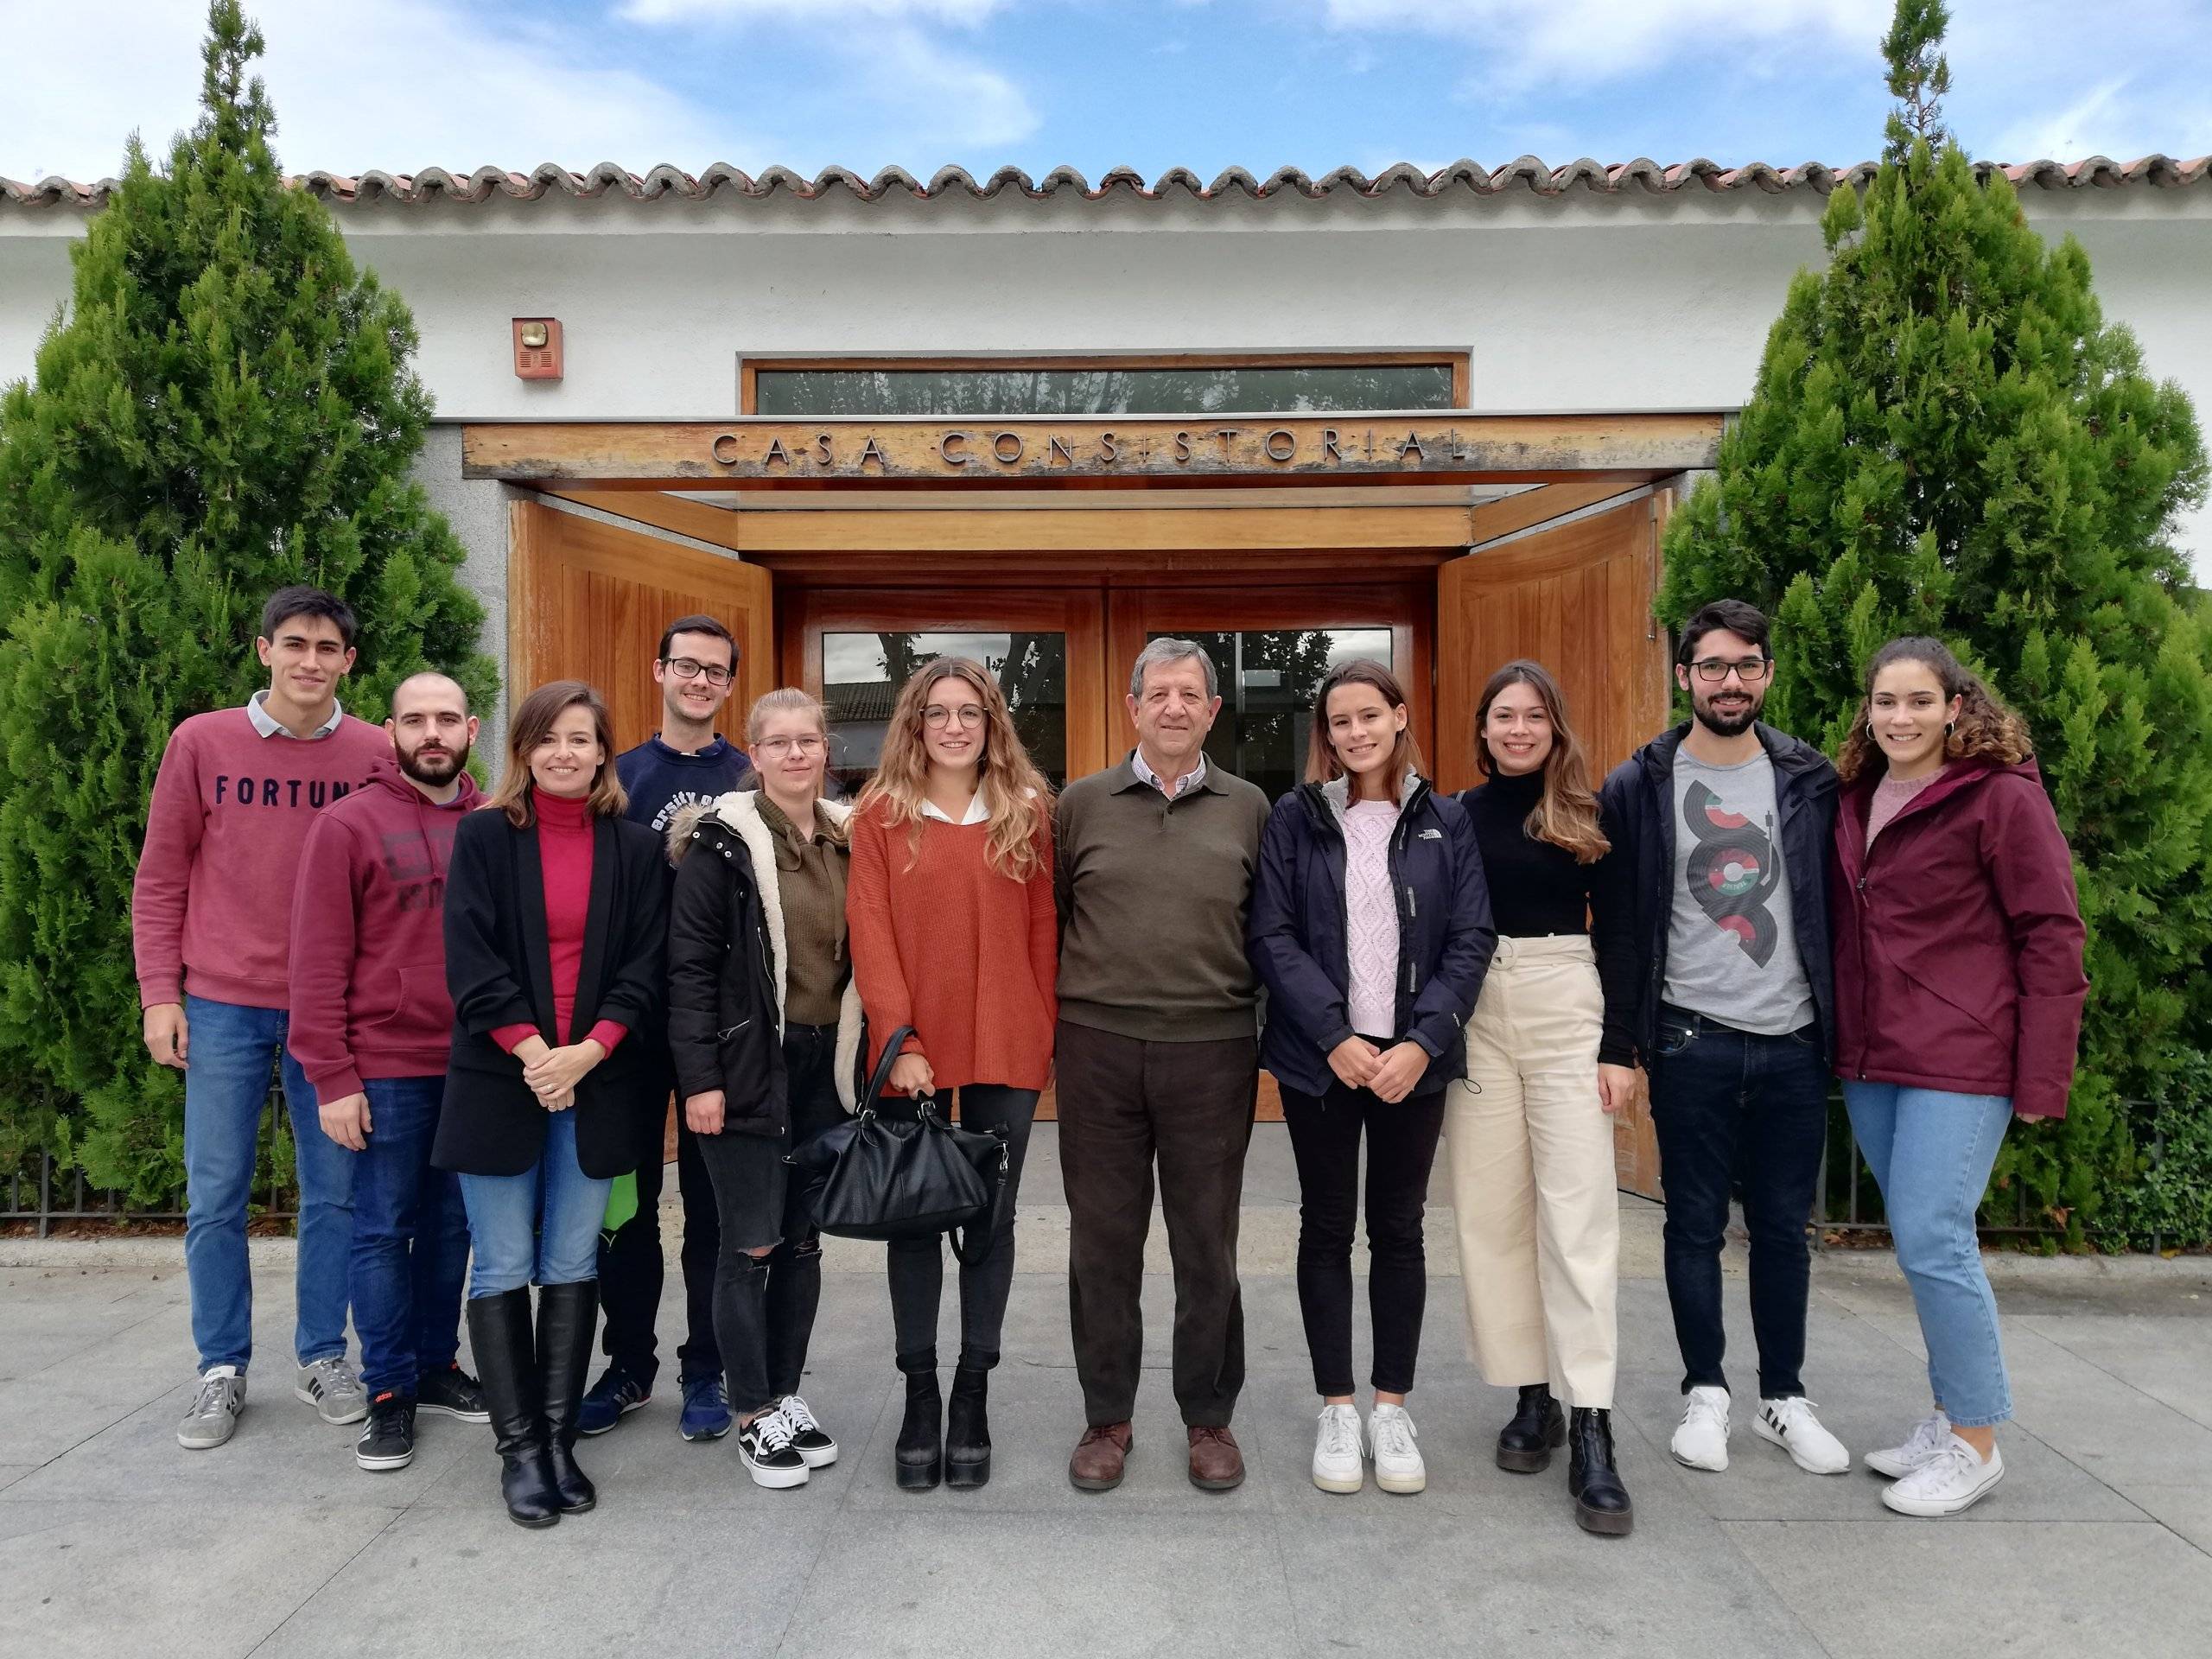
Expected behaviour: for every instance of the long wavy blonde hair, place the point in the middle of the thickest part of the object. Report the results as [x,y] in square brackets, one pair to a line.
[1565,814]
[1017,801]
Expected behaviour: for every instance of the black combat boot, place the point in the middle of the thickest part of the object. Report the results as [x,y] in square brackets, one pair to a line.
[1524,1445]
[1600,1501]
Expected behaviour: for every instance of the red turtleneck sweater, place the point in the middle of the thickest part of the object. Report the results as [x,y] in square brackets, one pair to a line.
[565,833]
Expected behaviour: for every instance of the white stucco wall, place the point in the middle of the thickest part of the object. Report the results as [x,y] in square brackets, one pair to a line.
[1578,303]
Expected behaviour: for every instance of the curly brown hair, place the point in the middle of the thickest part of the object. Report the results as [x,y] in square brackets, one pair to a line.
[1985,727]
[1017,799]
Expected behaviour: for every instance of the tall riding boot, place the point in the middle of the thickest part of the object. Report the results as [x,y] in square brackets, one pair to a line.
[1600,1501]
[920,1451]
[1524,1445]
[968,1429]
[566,1315]
[498,1332]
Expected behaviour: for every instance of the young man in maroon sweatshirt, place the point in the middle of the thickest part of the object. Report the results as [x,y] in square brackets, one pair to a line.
[210,923]
[372,1027]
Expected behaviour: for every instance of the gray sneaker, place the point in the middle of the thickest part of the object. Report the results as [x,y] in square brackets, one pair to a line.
[212,1417]
[331,1387]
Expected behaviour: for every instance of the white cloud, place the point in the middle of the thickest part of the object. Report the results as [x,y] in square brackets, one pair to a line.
[688,11]
[923,103]
[1530,43]
[413,84]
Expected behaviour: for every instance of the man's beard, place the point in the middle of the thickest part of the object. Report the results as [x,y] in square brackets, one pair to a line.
[423,770]
[1727,725]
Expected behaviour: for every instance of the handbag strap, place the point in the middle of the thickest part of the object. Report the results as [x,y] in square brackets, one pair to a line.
[881,1079]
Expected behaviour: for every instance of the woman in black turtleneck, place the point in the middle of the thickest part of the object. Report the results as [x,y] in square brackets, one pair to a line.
[1530,1132]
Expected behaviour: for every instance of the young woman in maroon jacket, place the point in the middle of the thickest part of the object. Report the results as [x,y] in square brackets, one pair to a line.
[1959,992]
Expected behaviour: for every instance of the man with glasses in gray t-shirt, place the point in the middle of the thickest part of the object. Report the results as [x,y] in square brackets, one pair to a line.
[1725,823]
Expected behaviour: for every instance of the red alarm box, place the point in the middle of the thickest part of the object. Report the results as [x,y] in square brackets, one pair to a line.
[538,348]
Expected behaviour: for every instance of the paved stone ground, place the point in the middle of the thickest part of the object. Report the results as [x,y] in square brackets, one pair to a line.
[113,1540]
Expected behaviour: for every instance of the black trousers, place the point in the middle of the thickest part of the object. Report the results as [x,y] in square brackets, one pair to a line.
[916,1266]
[630,1270]
[764,1305]
[1324,1135]
[1126,1104]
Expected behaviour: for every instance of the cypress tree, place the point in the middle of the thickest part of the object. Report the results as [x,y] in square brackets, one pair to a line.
[223,407]
[1946,437]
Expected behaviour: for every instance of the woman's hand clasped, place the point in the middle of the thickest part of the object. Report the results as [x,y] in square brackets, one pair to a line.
[554,1074]
[1354,1060]
[1397,1072]
[911,1075]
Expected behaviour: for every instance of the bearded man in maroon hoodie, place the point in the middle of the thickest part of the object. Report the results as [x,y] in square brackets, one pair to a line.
[371,1024]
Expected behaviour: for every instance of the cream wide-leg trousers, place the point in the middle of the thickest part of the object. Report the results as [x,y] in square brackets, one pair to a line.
[1531,1156]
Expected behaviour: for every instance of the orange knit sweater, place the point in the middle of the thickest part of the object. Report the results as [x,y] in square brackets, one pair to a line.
[945,943]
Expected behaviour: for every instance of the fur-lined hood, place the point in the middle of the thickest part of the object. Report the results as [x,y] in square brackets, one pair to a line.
[738,812]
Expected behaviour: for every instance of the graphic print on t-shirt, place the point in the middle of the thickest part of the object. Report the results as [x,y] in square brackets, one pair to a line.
[1732,871]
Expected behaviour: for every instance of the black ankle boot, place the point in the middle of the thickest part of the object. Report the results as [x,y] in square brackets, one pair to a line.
[567,1316]
[1524,1445]
[968,1429]
[920,1451]
[1600,1501]
[507,1364]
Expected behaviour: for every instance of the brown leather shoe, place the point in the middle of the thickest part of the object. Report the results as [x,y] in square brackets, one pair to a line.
[1216,1465]
[1099,1456]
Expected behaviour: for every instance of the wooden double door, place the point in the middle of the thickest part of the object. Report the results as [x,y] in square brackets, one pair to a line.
[589,598]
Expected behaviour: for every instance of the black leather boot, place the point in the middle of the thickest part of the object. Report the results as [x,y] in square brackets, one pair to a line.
[506,1364]
[1524,1445]
[1600,1501]
[920,1451]
[968,1429]
[567,1317]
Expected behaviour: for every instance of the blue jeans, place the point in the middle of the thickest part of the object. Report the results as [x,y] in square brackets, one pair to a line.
[1731,1108]
[1932,1153]
[410,1240]
[541,1225]
[233,1051]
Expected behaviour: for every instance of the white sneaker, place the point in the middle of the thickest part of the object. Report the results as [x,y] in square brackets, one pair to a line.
[1398,1467]
[1337,1465]
[1953,1478]
[1702,1440]
[1789,1424]
[1927,1437]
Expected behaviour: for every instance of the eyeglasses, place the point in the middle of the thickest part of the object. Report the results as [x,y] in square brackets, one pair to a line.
[687,668]
[936,716]
[1713,669]
[775,748]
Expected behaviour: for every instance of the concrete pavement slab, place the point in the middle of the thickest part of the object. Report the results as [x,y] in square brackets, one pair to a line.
[1918,1587]
[12,1472]
[631,1576]
[98,1577]
[2150,1353]
[1088,1582]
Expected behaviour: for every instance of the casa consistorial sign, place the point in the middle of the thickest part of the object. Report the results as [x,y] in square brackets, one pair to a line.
[753,452]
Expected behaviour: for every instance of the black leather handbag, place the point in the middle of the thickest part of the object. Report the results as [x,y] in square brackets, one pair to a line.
[883,1178]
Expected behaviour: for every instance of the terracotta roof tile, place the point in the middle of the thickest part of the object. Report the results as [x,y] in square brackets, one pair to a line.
[1527,173]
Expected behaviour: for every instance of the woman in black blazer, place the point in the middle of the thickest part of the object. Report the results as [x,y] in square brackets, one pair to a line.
[556,916]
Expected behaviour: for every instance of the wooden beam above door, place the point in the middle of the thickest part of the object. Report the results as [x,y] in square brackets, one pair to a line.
[1117,452]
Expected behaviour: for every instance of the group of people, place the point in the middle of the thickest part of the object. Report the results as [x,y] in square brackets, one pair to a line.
[480,1009]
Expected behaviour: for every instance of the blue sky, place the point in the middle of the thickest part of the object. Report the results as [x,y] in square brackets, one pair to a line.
[402,85]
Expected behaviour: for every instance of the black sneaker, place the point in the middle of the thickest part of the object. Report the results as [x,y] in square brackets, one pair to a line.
[452,1393]
[388,1438]
[771,1458]
[809,1438]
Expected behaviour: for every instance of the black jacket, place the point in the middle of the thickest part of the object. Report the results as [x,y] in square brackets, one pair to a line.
[500,972]
[726,968]
[1639,797]
[1297,935]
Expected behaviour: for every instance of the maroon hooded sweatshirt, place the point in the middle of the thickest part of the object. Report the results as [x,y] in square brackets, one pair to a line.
[368,955]
[1958,940]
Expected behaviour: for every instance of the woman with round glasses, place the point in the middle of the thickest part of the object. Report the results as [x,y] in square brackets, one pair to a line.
[954,935]
[764,1026]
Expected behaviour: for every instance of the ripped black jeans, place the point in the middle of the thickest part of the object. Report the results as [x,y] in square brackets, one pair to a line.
[764,1305]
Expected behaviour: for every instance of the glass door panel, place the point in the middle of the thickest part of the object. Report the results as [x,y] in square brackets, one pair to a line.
[861,673]
[1268,679]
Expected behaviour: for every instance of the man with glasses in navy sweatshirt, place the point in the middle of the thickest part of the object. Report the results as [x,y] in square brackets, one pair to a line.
[685,761]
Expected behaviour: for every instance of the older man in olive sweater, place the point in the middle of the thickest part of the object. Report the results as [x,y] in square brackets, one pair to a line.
[1158,1059]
